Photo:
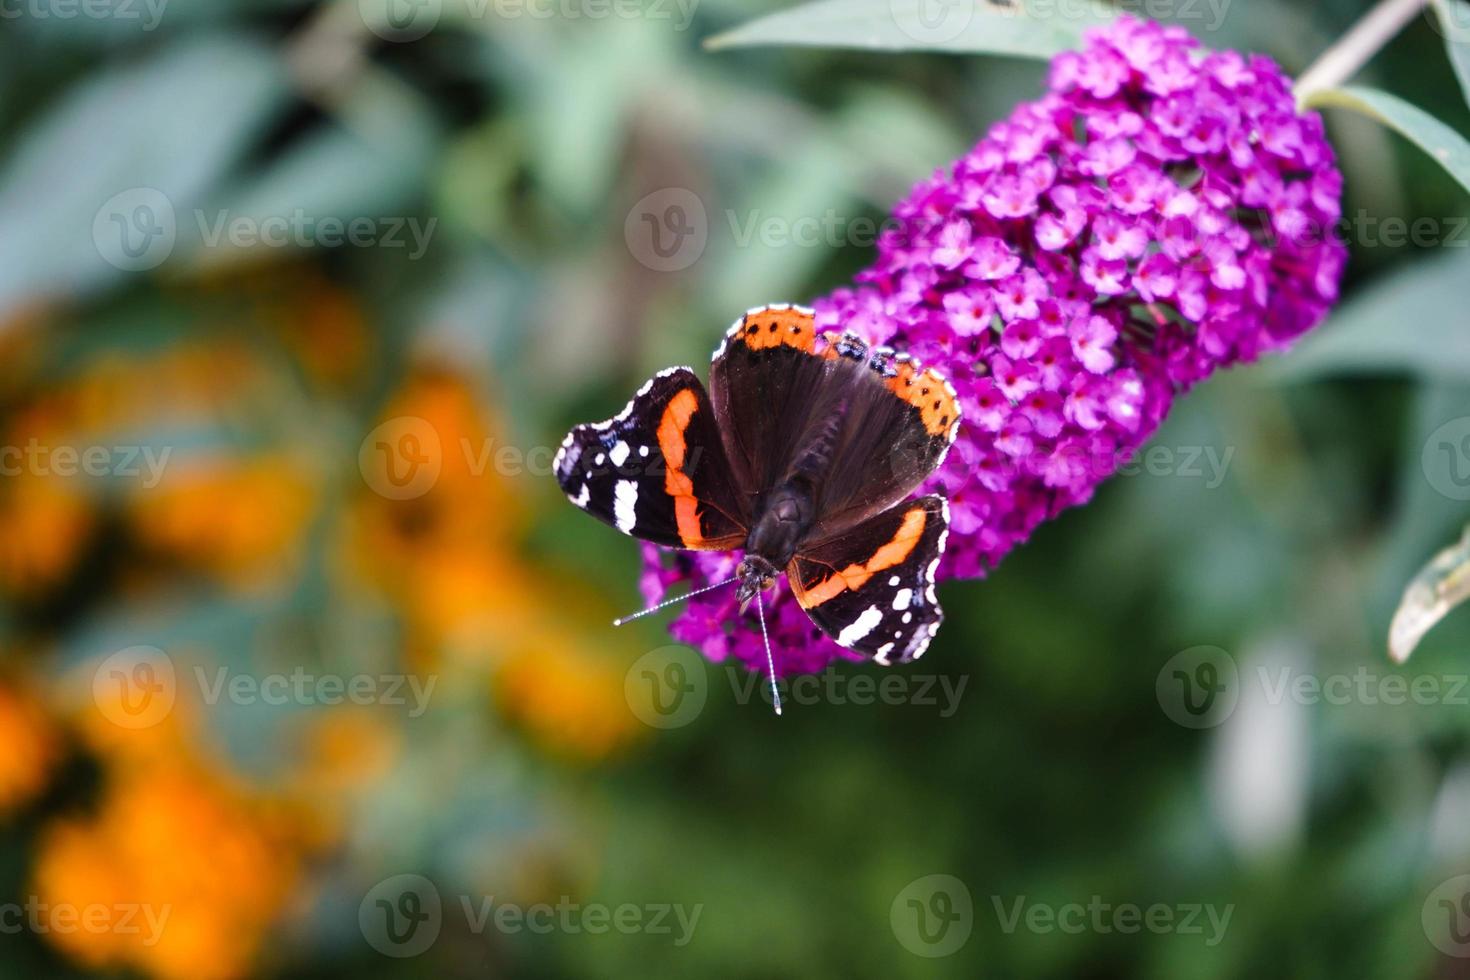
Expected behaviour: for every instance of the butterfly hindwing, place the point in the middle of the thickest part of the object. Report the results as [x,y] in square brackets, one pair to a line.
[862,428]
[871,588]
[657,470]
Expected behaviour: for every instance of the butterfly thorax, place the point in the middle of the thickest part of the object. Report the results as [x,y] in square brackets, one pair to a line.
[782,519]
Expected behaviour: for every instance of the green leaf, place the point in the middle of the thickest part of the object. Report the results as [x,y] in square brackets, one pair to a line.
[1441,142]
[1016,28]
[1439,587]
[1398,325]
[1454,22]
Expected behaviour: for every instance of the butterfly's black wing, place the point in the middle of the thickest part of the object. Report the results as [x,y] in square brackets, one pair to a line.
[861,429]
[657,470]
[871,588]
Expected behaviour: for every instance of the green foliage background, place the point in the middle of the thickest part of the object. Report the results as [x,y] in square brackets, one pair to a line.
[1059,777]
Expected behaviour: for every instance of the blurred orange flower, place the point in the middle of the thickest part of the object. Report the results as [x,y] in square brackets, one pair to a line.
[239,519]
[189,871]
[450,559]
[32,746]
[47,524]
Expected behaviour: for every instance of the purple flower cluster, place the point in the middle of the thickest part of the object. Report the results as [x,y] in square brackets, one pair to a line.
[1161,212]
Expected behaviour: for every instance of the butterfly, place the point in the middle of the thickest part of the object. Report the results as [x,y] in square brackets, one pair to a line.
[804,452]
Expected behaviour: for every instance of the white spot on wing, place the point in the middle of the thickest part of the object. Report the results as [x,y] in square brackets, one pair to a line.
[902,598]
[619,453]
[882,655]
[581,499]
[625,504]
[867,620]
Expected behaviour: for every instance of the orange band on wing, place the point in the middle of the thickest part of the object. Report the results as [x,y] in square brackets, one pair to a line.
[677,484]
[855,576]
[929,393]
[772,327]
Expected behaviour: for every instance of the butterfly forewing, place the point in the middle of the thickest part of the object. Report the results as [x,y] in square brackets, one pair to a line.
[872,588]
[657,470]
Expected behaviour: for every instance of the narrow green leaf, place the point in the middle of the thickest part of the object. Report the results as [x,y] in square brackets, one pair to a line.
[1021,28]
[1439,587]
[1454,23]
[1446,146]
[1403,323]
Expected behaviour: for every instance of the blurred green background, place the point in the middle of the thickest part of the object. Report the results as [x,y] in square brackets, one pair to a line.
[499,287]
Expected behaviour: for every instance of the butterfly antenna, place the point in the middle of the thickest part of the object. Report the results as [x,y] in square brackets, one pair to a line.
[760,610]
[677,599]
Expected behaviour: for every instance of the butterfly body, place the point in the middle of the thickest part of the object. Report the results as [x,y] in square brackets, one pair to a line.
[803,453]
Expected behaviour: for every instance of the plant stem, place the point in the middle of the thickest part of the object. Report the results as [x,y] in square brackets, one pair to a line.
[1355,48]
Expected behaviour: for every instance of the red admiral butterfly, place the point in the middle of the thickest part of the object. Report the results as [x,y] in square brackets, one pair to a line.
[804,453]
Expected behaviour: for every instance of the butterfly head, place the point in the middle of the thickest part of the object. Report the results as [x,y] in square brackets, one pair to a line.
[756,575]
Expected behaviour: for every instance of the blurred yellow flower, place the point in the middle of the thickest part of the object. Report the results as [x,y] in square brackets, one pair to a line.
[345,752]
[569,698]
